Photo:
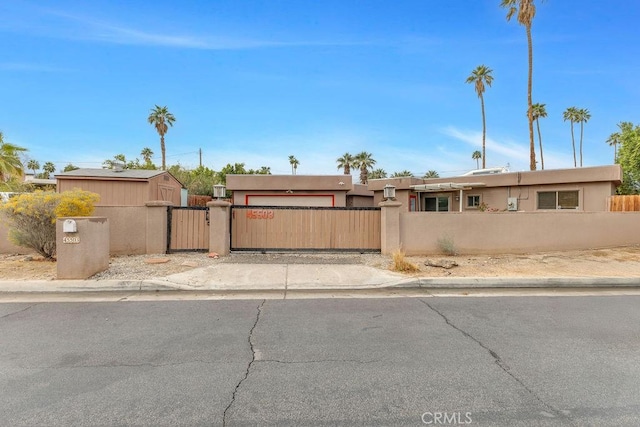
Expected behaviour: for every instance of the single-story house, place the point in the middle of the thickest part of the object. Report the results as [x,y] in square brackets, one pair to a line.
[580,189]
[298,190]
[125,187]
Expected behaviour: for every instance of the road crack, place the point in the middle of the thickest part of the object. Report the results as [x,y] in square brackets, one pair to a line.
[19,311]
[295,362]
[499,362]
[246,373]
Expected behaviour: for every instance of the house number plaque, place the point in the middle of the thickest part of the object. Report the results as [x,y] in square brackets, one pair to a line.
[71,239]
[260,214]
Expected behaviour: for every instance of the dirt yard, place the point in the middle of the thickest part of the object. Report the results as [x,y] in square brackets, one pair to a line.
[616,262]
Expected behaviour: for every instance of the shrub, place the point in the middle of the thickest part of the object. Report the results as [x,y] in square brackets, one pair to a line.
[32,216]
[446,245]
[401,264]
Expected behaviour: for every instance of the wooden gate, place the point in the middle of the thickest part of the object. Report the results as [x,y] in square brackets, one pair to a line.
[267,228]
[187,229]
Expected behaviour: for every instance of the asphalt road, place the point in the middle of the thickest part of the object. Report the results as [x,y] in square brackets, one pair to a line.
[404,361]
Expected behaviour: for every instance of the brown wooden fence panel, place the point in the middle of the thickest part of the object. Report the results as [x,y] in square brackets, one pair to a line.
[624,203]
[188,229]
[293,228]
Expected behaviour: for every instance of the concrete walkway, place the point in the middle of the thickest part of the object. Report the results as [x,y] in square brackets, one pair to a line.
[225,277]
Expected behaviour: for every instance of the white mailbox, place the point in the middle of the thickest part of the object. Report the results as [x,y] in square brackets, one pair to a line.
[69,226]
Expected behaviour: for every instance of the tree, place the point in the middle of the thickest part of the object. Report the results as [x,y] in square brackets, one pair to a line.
[571,114]
[10,164]
[70,167]
[525,11]
[476,155]
[345,162]
[146,154]
[405,173]
[364,161]
[33,165]
[431,174]
[629,157]
[48,168]
[479,77]
[161,119]
[614,140]
[582,117]
[294,164]
[539,111]
[377,174]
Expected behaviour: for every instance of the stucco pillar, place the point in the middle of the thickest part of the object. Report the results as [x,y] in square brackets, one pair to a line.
[157,226]
[219,232]
[82,246]
[390,226]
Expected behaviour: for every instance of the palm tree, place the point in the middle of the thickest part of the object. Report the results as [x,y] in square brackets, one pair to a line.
[345,162]
[10,163]
[539,111]
[48,169]
[571,114]
[294,164]
[377,174]
[614,140]
[405,173]
[525,11]
[364,162]
[431,174]
[146,154]
[479,77]
[582,117]
[161,119]
[33,165]
[476,156]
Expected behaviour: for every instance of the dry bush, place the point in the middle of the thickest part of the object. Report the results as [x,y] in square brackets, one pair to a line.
[401,264]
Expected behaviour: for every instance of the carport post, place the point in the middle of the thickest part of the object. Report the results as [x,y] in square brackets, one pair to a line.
[219,238]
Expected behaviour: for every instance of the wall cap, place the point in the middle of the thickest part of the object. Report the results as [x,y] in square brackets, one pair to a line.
[158,203]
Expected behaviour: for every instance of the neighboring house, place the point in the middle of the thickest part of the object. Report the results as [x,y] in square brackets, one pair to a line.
[30,178]
[578,189]
[124,187]
[297,190]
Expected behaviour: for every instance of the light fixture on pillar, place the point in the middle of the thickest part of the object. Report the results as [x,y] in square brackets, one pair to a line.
[389,192]
[219,191]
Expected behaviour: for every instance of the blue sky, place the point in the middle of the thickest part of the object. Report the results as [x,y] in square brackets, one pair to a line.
[257,81]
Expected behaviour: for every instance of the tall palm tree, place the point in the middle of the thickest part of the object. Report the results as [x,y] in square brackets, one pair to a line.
[48,169]
[377,174]
[146,154]
[294,164]
[614,140]
[431,174]
[479,77]
[345,162]
[525,11]
[571,114]
[476,156]
[539,111]
[405,173]
[161,119]
[33,165]
[364,161]
[10,163]
[582,117]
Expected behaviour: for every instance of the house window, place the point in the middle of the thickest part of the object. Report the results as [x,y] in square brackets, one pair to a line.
[558,200]
[473,201]
[436,204]
[413,201]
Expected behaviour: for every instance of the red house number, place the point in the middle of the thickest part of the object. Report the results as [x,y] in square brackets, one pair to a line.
[260,214]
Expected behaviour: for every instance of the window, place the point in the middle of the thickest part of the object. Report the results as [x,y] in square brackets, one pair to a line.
[413,201]
[436,204]
[558,200]
[473,201]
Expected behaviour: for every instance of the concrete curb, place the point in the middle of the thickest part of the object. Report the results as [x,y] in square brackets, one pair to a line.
[520,282]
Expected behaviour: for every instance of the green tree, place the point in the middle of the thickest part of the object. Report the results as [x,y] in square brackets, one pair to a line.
[294,164]
[70,167]
[614,140]
[11,166]
[480,77]
[539,111]
[264,170]
[404,174]
[582,117]
[147,154]
[48,169]
[377,174]
[161,119]
[476,155]
[229,169]
[33,165]
[345,162]
[431,174]
[525,11]
[571,114]
[364,161]
[629,157]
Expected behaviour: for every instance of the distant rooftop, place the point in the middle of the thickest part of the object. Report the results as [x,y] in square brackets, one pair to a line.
[111,173]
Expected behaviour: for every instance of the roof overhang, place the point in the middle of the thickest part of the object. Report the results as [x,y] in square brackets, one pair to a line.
[446,186]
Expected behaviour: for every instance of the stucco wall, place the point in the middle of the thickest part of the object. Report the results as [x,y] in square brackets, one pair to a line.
[128,228]
[517,232]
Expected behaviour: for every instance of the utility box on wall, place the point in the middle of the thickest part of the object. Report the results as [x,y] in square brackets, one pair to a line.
[512,203]
[82,247]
